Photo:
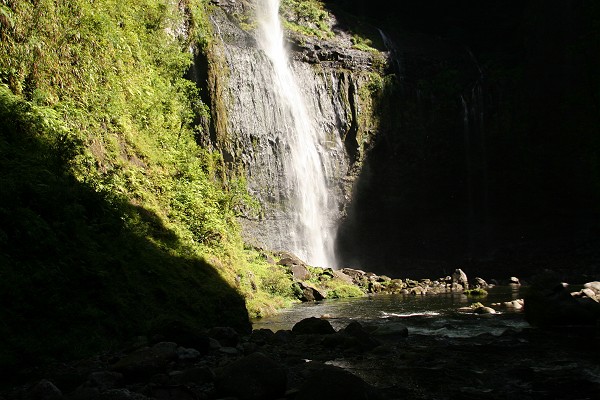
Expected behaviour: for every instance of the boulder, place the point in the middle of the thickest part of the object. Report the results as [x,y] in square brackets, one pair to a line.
[310,293]
[289,260]
[252,377]
[313,325]
[418,291]
[484,310]
[480,283]
[595,286]
[459,277]
[356,274]
[375,287]
[334,383]
[343,277]
[45,390]
[184,354]
[225,335]
[553,306]
[300,272]
[147,361]
[355,336]
[514,304]
[262,336]
[183,334]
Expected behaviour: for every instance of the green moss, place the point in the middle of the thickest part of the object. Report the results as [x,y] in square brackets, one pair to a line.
[478,292]
[344,291]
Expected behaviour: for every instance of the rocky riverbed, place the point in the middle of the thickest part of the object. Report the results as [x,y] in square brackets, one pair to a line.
[314,361]
[355,360]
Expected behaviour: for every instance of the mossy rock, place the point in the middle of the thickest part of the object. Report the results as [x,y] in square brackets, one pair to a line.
[477,292]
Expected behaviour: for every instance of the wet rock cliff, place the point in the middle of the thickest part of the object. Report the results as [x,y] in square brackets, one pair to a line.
[335,79]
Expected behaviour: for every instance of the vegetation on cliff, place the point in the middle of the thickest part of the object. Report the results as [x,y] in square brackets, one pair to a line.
[115,221]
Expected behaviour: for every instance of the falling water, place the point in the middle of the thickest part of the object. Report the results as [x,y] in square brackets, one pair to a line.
[307,192]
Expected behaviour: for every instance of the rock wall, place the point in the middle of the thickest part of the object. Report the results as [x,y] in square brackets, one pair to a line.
[245,129]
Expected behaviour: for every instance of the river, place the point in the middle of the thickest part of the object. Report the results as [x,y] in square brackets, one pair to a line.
[448,354]
[436,315]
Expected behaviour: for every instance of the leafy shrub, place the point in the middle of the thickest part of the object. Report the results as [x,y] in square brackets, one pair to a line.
[344,291]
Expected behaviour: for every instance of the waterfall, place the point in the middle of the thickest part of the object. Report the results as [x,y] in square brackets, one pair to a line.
[306,191]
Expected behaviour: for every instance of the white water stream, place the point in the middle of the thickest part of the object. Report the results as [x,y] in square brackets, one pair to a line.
[308,198]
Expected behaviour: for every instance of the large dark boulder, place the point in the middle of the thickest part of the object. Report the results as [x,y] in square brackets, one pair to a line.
[313,325]
[549,303]
[310,293]
[254,377]
[334,383]
[147,361]
[183,334]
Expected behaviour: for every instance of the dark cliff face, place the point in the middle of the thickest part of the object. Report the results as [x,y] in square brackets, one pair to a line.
[480,149]
[488,152]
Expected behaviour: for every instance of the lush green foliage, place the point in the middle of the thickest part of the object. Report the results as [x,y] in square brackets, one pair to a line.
[307,17]
[113,218]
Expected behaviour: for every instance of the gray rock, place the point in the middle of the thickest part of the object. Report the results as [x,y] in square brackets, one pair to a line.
[480,283]
[289,260]
[300,272]
[356,274]
[45,390]
[595,286]
[187,354]
[375,287]
[343,277]
[252,377]
[484,310]
[459,277]
[311,293]
[418,291]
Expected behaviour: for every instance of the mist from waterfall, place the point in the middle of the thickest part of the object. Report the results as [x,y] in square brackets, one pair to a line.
[306,192]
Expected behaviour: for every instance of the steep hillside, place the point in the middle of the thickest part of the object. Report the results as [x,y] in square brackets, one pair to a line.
[114,221]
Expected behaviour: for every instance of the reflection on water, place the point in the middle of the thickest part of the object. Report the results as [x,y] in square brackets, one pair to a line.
[428,315]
